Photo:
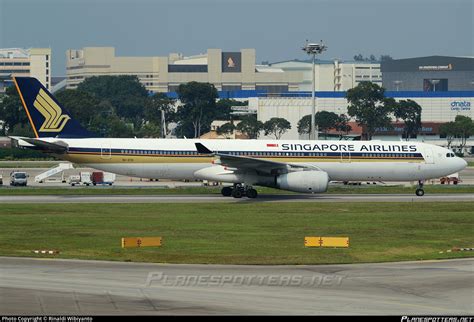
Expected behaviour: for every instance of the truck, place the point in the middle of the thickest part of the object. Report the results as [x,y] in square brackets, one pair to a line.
[99,177]
[18,178]
[86,178]
[452,178]
[74,179]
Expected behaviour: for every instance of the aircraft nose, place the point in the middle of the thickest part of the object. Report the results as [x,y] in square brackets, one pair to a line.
[462,163]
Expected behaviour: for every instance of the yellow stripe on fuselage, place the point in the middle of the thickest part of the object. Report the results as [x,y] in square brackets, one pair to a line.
[92,157]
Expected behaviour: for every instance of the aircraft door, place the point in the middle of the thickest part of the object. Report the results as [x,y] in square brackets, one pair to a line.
[105,151]
[345,157]
[428,155]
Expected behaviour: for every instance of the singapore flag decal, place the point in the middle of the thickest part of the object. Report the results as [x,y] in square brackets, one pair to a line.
[272,145]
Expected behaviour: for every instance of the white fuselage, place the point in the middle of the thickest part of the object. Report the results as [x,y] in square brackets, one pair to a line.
[342,160]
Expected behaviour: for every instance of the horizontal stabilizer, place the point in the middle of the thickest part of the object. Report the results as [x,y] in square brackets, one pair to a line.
[56,147]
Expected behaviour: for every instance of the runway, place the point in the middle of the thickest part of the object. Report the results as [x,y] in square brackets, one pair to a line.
[218,198]
[52,287]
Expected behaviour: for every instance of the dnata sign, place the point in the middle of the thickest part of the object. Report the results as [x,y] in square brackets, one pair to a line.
[460,106]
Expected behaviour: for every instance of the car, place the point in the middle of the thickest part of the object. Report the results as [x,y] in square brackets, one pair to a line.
[18,178]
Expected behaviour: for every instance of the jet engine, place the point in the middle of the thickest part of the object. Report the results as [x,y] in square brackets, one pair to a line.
[303,181]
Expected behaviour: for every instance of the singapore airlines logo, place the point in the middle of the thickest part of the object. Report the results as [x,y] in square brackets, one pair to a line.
[54,120]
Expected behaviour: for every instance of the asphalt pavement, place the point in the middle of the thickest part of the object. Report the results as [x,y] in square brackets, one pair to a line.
[56,287]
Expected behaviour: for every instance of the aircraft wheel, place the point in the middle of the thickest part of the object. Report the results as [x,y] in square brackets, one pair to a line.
[252,193]
[420,192]
[236,193]
[226,191]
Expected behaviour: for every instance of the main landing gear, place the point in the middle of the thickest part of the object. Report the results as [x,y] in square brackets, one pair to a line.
[419,191]
[239,190]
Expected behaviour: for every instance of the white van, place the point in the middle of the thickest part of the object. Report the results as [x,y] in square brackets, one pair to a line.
[86,178]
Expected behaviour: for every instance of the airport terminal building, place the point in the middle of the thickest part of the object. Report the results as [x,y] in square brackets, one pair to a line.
[227,71]
[34,62]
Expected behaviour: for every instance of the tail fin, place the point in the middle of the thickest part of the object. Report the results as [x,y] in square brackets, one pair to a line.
[47,117]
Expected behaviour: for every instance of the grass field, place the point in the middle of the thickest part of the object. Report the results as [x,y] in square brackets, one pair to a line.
[240,233]
[333,189]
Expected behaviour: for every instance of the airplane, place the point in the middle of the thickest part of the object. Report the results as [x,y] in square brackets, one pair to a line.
[293,165]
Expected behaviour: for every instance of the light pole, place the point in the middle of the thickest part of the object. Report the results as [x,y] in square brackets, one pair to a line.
[434,82]
[397,84]
[313,49]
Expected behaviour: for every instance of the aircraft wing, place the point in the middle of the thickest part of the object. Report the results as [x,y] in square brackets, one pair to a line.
[37,144]
[247,163]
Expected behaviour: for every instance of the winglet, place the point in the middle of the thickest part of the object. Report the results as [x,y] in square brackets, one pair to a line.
[202,149]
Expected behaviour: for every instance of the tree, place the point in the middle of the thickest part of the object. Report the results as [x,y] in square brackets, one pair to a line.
[449,131]
[342,125]
[224,108]
[385,58]
[150,130]
[15,120]
[464,129]
[107,123]
[226,129]
[410,112]
[276,126]
[304,125]
[198,110]
[80,104]
[124,92]
[367,104]
[250,126]
[155,106]
[325,121]
[360,57]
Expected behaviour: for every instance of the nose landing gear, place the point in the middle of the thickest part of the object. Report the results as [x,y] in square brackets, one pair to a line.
[239,190]
[419,191]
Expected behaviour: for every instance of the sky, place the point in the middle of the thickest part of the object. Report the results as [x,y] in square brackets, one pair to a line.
[276,29]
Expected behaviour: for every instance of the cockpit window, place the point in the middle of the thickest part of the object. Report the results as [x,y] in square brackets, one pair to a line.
[450,155]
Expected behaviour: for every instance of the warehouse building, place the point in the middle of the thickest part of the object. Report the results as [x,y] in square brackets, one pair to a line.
[437,108]
[34,62]
[332,75]
[429,74]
